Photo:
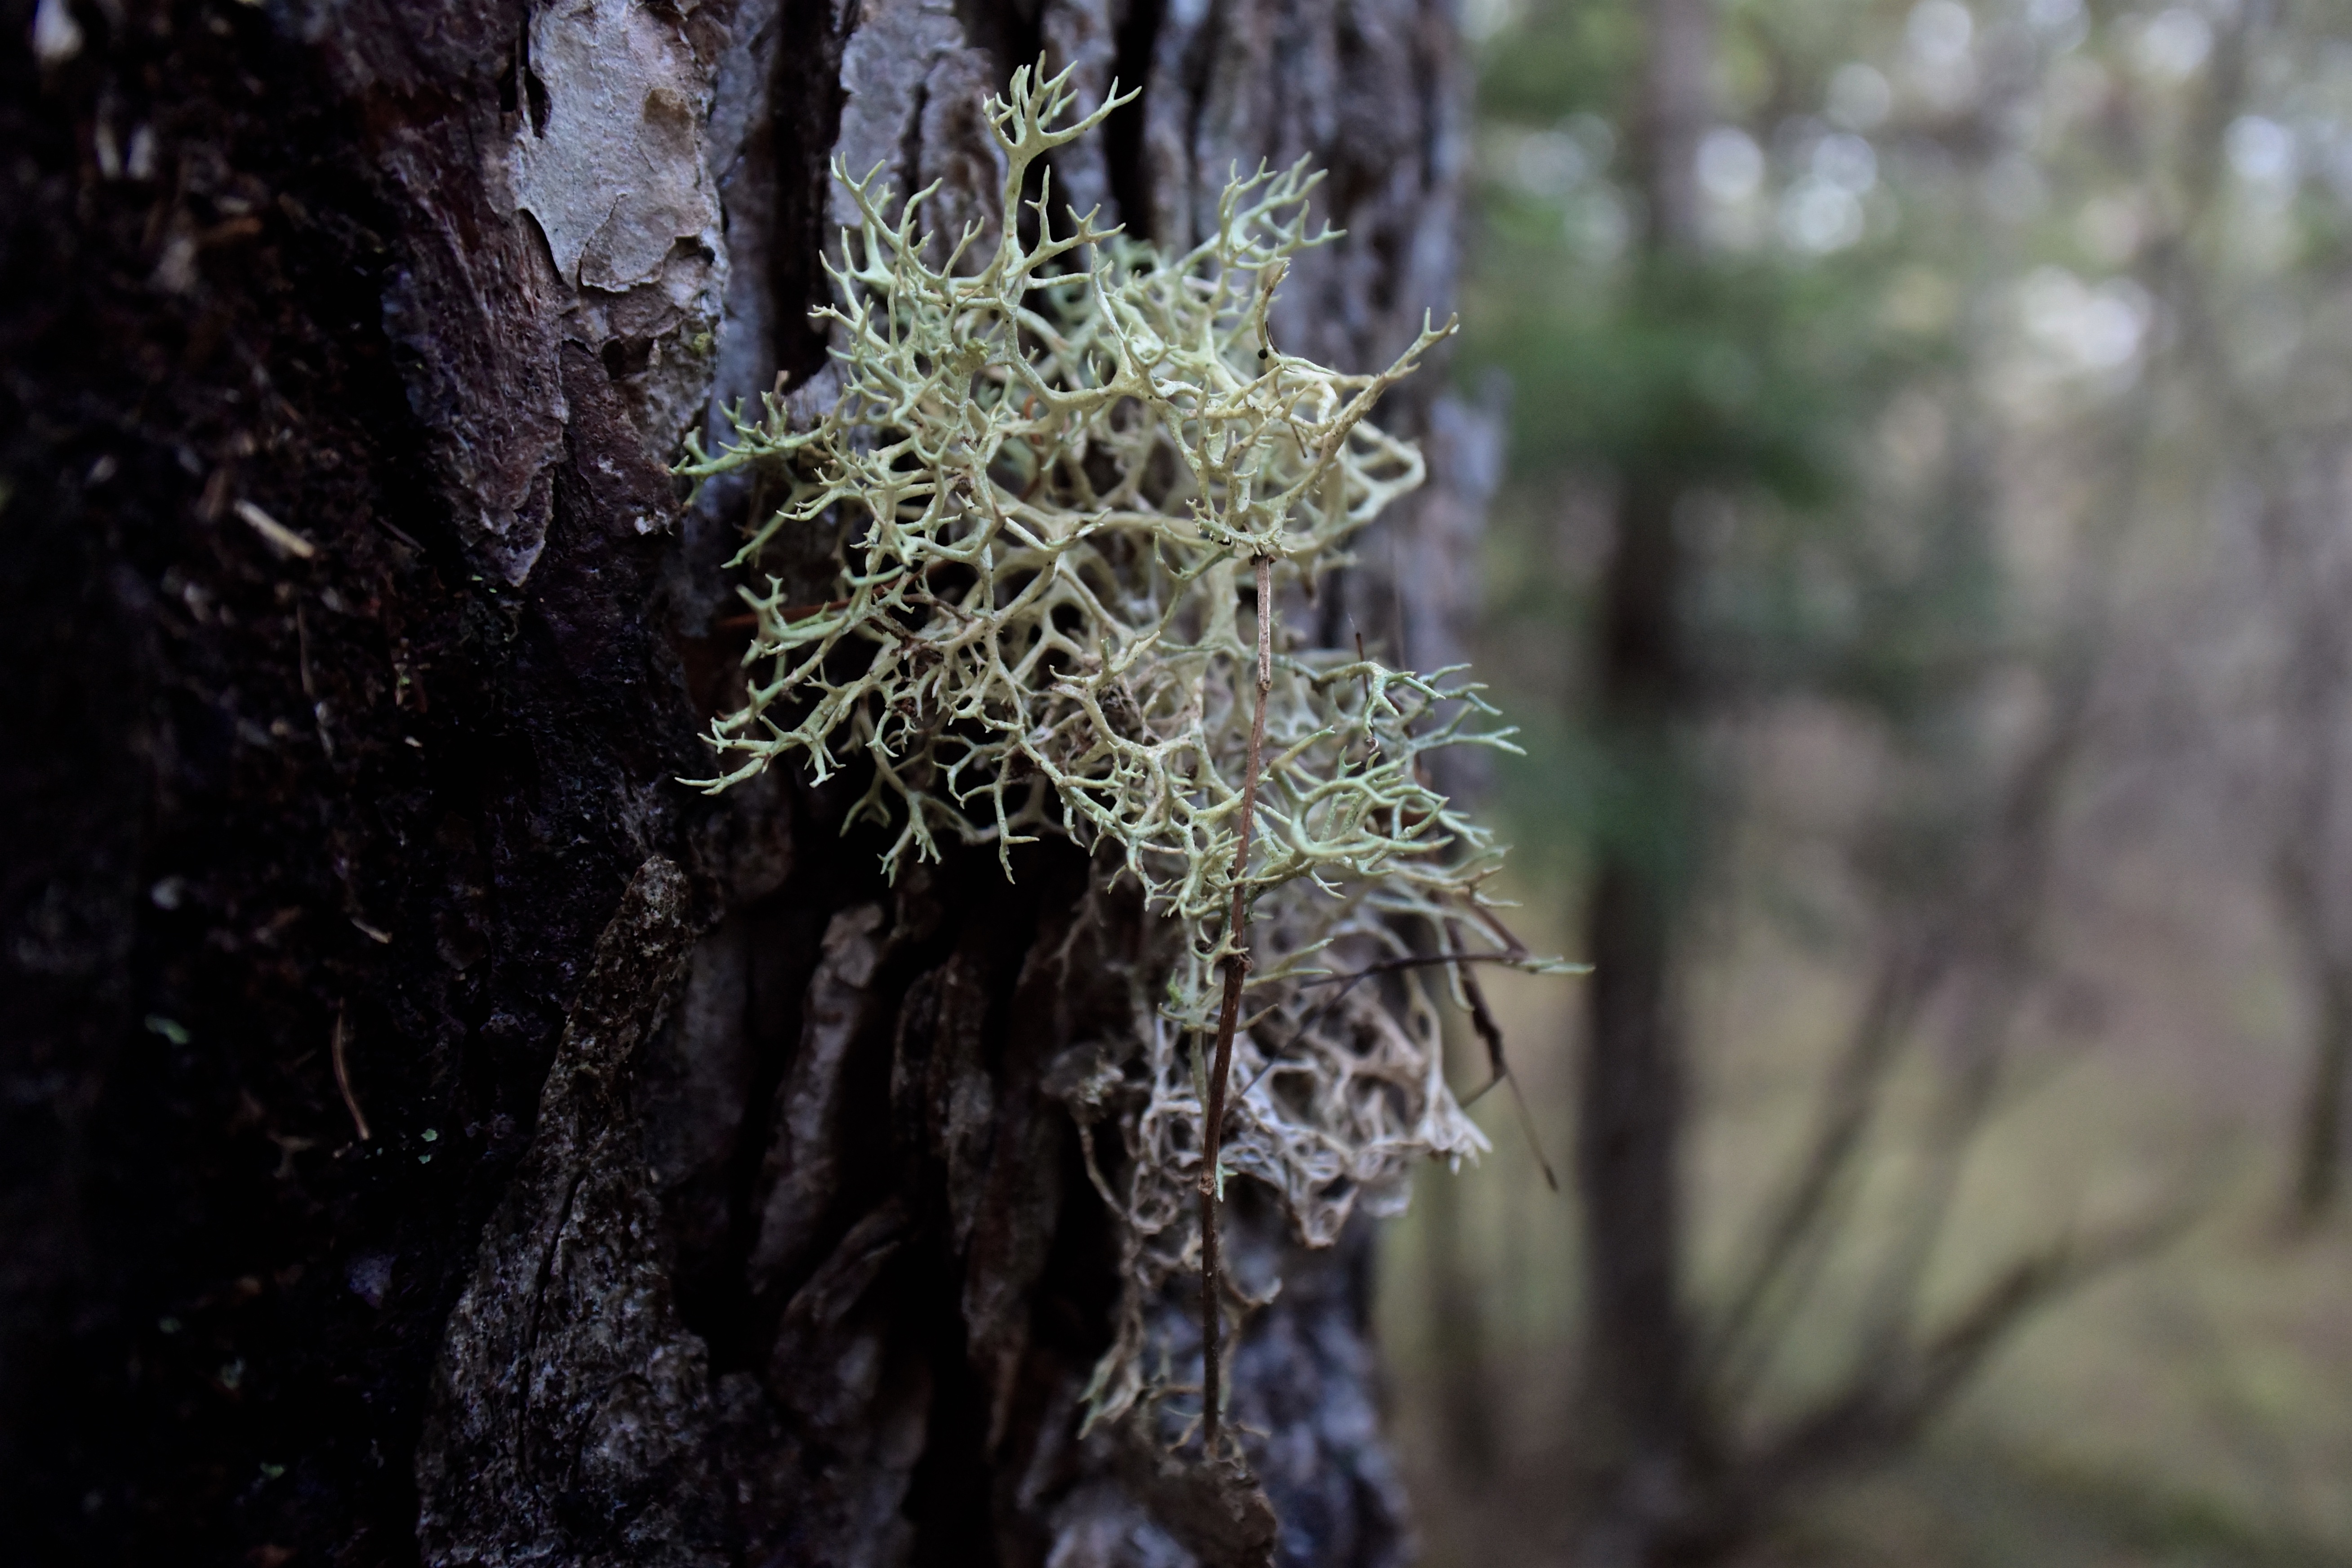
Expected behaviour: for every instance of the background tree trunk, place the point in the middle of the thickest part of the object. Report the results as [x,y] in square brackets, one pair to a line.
[722,1203]
[1649,1445]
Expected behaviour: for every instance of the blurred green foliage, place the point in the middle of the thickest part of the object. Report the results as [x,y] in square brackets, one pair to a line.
[1754,375]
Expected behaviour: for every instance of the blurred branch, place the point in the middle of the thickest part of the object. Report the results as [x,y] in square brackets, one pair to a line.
[1886,1401]
[1983,932]
[2299,534]
[1790,1253]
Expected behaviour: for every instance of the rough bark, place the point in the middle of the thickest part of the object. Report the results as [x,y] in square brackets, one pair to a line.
[723,1205]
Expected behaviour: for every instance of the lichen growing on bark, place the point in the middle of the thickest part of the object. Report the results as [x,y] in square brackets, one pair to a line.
[1054,455]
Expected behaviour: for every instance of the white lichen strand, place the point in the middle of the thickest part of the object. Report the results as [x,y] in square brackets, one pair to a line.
[1045,476]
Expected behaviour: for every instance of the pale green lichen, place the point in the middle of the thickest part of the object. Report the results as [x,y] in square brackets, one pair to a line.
[1049,467]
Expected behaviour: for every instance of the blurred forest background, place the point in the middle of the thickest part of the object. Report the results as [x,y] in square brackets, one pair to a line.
[1920,570]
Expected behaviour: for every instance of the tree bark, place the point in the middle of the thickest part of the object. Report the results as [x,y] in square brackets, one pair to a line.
[2307,572]
[2305,840]
[721,1203]
[1630,1105]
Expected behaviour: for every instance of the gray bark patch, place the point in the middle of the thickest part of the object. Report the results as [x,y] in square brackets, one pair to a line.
[614,172]
[564,1374]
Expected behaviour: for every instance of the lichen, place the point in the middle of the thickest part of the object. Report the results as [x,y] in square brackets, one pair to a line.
[1054,455]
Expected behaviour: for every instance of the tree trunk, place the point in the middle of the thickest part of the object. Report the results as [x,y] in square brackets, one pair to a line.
[2319,1143]
[1630,1104]
[433,1134]
[2307,575]
[1645,1433]
[2316,1152]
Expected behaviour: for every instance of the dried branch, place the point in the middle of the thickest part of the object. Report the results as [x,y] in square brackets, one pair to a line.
[1490,1034]
[1238,966]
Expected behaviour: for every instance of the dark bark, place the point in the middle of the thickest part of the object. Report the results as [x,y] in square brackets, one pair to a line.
[2317,1158]
[2319,1143]
[1630,1108]
[723,1205]
[2307,572]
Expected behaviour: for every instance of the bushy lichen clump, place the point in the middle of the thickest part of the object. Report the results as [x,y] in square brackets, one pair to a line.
[1051,466]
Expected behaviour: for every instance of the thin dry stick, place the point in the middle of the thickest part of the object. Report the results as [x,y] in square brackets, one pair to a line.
[1482,1019]
[1237,964]
[343,1076]
[1492,1033]
[1355,977]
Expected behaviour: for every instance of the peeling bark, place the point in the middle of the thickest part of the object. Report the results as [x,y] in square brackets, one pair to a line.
[724,1204]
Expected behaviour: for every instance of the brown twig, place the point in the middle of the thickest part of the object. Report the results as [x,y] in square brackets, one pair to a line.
[1482,1019]
[1499,1068]
[1237,964]
[1416,961]
[344,1074]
